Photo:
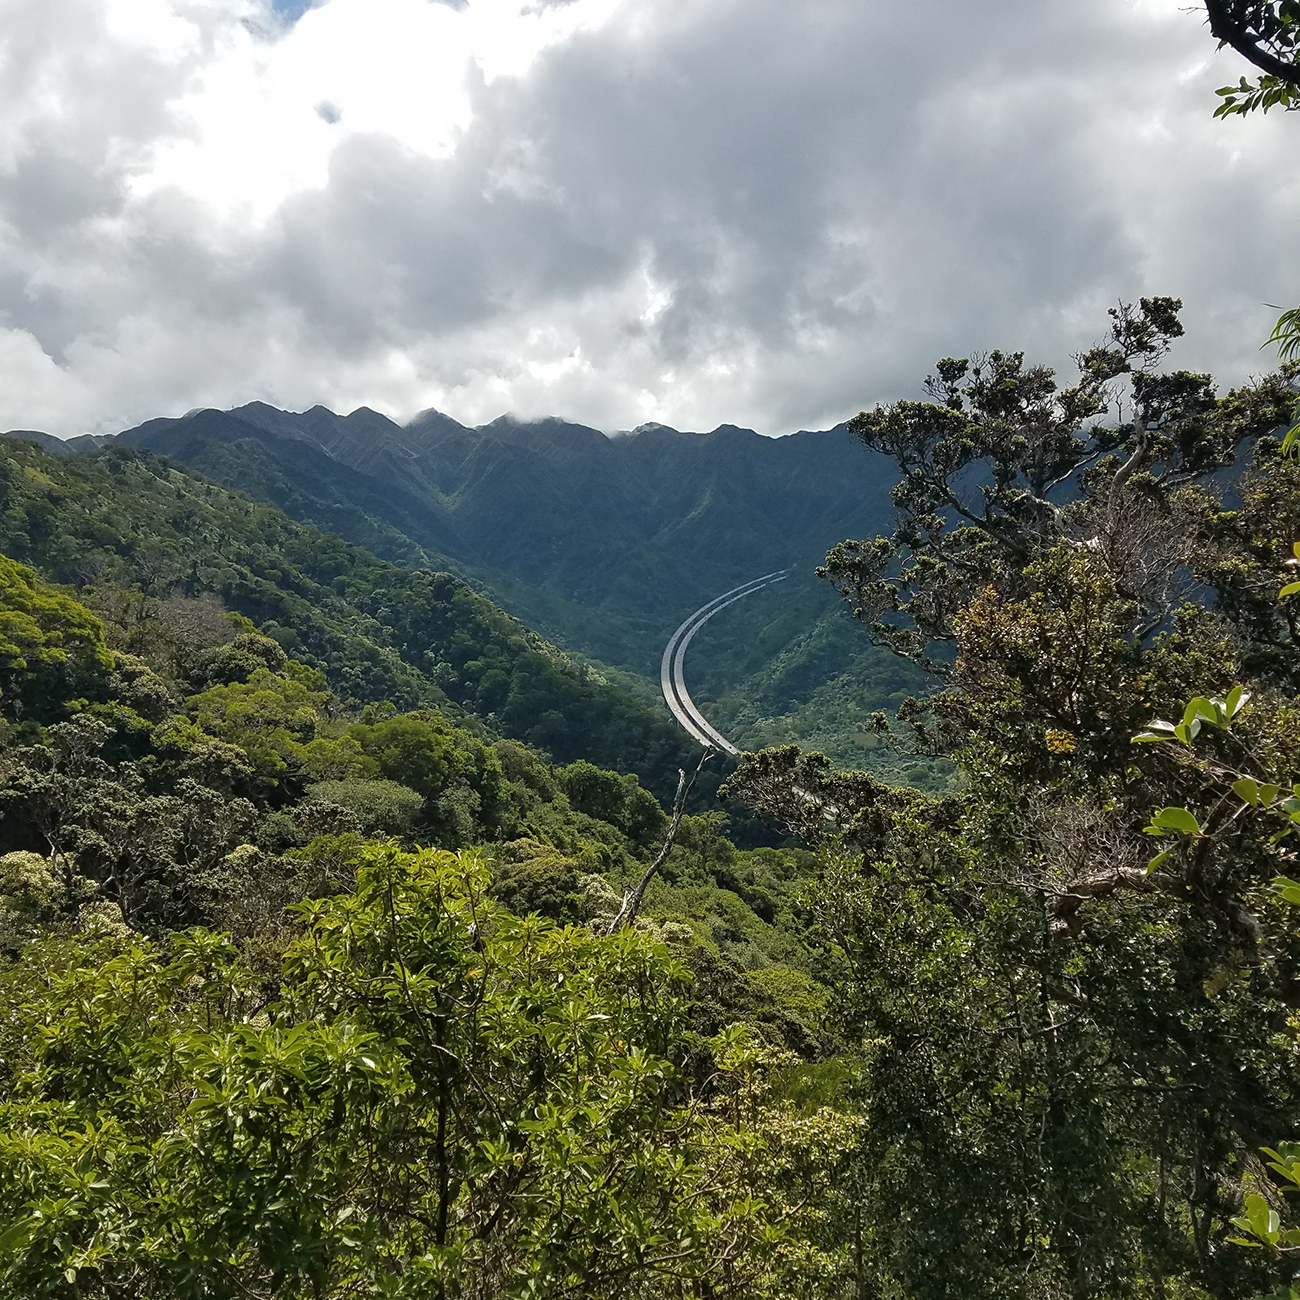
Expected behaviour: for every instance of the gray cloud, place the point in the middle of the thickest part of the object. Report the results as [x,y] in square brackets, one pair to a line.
[759,213]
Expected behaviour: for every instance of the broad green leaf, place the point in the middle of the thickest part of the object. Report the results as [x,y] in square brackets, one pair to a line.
[1247,790]
[1250,791]
[1289,590]
[1157,860]
[1287,889]
[1157,731]
[1262,1218]
[1199,707]
[1243,1241]
[1174,820]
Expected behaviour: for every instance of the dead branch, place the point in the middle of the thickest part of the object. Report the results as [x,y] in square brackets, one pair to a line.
[632,899]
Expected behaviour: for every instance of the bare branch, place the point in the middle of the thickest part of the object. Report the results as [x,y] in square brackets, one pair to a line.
[632,900]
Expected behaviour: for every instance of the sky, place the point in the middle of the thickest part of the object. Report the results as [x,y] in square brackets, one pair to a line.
[615,211]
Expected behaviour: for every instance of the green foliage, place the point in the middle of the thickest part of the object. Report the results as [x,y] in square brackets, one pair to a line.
[239,660]
[417,1083]
[419,751]
[1004,466]
[604,543]
[1267,32]
[1259,95]
[1064,1048]
[271,717]
[445,1101]
[976,1046]
[31,896]
[51,647]
[147,543]
[533,879]
[378,806]
[618,800]
[229,782]
[806,673]
[1286,338]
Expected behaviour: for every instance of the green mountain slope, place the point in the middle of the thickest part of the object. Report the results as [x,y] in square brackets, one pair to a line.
[603,544]
[127,527]
[798,669]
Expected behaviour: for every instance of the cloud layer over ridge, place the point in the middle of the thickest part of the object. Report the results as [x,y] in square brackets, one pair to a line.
[691,211]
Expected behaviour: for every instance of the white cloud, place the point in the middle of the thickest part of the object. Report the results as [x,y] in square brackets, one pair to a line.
[692,211]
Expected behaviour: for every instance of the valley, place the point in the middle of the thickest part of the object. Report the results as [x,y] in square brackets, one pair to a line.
[602,544]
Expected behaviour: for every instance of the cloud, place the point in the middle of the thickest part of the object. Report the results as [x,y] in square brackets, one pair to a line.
[692,211]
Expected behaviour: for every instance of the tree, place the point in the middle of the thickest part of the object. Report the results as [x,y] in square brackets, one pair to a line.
[1064,1047]
[1003,465]
[1267,33]
[446,1101]
[50,645]
[1063,1053]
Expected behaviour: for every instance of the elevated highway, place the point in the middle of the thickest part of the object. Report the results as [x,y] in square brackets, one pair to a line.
[671,668]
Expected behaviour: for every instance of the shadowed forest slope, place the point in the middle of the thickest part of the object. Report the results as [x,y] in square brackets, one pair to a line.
[602,544]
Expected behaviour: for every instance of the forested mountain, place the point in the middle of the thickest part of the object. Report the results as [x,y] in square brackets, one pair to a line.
[223,734]
[359,943]
[608,540]
[603,544]
[157,541]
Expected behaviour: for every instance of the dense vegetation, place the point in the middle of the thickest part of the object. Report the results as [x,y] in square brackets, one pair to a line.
[1023,1038]
[1072,1046]
[312,982]
[800,670]
[605,545]
[151,546]
[167,809]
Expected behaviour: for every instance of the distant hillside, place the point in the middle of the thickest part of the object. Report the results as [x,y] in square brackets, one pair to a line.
[123,526]
[603,544]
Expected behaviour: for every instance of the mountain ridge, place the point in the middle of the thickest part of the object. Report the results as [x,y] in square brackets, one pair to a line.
[602,543]
[548,504]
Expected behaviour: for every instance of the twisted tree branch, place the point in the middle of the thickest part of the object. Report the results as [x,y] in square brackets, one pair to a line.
[1230,31]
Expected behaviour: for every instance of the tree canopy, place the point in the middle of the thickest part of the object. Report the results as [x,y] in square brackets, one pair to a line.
[443,1100]
[49,643]
[1072,976]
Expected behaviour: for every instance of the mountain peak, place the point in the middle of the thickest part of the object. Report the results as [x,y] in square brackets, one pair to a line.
[650,426]
[369,413]
[431,420]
